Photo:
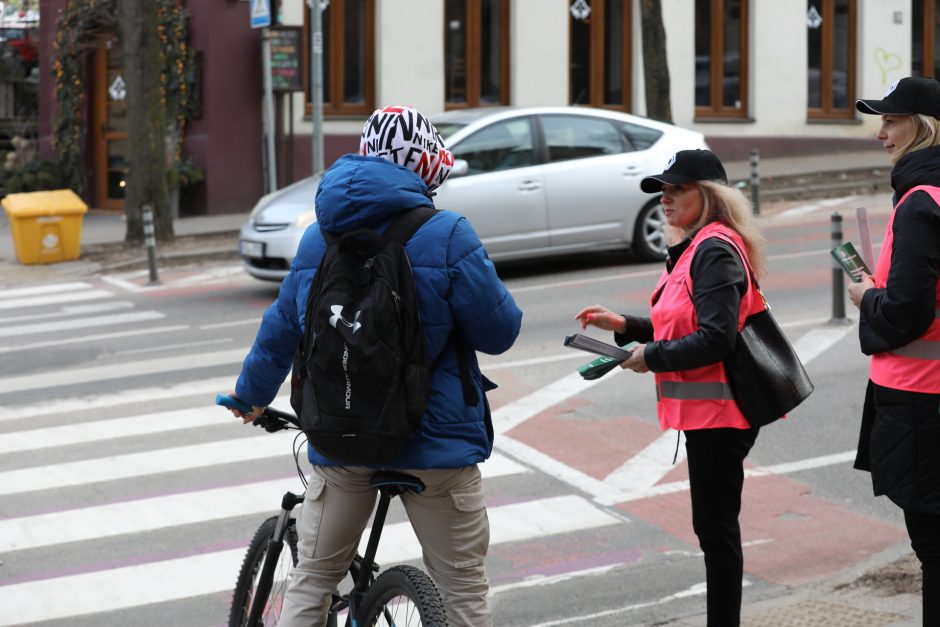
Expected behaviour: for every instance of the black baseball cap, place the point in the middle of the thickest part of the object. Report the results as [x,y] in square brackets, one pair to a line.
[684,167]
[908,95]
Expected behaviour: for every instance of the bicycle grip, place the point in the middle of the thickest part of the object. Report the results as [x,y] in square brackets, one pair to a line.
[233,403]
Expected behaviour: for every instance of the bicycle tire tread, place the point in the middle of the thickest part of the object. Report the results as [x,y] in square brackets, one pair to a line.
[412,583]
[252,564]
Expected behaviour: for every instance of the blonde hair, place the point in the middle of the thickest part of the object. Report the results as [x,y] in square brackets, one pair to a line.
[726,204]
[926,134]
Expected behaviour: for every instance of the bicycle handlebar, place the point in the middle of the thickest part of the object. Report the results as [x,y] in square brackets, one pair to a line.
[271,419]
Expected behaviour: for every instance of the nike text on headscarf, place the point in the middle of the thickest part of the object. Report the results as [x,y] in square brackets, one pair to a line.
[405,136]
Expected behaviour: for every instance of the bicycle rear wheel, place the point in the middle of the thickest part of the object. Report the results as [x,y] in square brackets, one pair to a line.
[247,583]
[403,596]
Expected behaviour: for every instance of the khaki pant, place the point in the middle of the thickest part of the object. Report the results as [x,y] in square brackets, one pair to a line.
[449,519]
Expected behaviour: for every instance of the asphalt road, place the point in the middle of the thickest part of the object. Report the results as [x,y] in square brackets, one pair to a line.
[127,498]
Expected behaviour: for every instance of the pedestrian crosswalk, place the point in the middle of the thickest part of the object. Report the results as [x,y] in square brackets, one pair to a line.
[65,462]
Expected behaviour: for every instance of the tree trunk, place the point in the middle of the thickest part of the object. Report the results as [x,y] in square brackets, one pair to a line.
[146,153]
[655,66]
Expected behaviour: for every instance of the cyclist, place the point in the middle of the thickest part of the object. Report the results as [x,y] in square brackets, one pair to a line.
[464,307]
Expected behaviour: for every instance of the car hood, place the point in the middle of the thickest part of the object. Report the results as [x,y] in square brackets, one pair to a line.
[285,205]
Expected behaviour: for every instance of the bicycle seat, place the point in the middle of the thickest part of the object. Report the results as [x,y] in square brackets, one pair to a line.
[400,480]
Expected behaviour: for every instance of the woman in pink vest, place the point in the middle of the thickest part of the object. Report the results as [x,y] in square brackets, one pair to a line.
[696,311]
[899,326]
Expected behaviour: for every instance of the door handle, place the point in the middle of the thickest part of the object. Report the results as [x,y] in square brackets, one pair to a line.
[529,186]
[632,170]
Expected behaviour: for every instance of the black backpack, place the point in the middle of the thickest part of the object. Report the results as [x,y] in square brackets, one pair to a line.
[360,382]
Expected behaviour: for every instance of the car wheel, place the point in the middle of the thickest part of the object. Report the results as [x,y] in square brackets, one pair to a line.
[649,235]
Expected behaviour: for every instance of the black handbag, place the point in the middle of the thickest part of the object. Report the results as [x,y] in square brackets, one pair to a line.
[766,376]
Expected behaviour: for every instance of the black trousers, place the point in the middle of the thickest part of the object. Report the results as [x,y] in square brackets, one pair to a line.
[716,477]
[924,530]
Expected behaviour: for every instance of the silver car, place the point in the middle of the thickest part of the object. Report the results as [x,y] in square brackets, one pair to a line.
[533,182]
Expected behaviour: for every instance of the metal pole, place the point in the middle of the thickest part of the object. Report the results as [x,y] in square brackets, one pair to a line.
[755,181]
[316,85]
[838,287]
[151,242]
[269,108]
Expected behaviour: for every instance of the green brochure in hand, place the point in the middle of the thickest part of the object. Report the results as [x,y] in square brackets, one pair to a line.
[597,368]
[850,261]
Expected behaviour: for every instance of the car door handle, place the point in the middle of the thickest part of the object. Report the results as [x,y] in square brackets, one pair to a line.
[529,186]
[632,170]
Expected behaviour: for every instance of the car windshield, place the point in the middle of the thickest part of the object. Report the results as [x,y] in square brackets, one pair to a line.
[446,129]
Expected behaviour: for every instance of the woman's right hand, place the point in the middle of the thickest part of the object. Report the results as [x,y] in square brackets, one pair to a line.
[602,318]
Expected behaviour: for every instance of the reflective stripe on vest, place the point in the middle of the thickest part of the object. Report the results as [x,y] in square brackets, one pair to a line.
[694,390]
[914,367]
[920,348]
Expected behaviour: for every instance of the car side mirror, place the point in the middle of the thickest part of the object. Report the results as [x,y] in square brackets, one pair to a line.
[460,168]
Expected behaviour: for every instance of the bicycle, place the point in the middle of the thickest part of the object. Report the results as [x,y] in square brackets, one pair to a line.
[401,596]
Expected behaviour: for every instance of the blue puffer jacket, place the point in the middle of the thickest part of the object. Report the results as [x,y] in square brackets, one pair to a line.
[457,286]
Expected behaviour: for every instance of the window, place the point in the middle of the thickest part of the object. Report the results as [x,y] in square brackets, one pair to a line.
[639,137]
[721,67]
[925,48]
[599,54]
[569,137]
[348,45]
[476,53]
[500,146]
[831,59]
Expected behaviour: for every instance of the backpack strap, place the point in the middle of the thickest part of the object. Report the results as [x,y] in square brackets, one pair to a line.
[470,397]
[401,231]
[407,223]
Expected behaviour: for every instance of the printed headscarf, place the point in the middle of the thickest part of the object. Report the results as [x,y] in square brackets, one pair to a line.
[405,136]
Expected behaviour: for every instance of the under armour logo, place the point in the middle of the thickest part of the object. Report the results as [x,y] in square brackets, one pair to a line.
[338,317]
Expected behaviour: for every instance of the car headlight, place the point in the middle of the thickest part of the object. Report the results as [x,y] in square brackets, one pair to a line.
[306,218]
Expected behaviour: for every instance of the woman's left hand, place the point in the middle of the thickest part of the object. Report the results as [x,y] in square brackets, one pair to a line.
[637,361]
[857,290]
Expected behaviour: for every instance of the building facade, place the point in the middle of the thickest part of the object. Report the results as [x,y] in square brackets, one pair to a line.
[781,77]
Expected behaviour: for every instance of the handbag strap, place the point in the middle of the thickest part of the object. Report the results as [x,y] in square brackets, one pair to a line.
[750,270]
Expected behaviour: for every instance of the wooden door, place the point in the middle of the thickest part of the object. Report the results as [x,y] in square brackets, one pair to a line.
[109,126]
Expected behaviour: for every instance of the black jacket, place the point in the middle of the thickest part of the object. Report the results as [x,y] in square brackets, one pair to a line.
[900,436]
[719,282]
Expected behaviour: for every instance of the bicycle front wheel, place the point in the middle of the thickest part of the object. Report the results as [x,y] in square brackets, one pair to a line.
[403,596]
[247,584]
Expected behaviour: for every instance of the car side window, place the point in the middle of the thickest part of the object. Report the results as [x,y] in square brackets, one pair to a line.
[575,137]
[499,146]
[640,137]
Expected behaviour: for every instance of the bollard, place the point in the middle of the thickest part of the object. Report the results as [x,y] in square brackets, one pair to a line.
[151,243]
[838,287]
[755,181]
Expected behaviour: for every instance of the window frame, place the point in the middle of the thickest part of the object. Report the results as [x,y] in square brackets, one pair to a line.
[474,55]
[596,58]
[929,34]
[826,111]
[336,57]
[716,94]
